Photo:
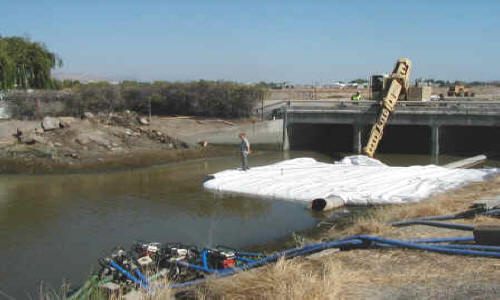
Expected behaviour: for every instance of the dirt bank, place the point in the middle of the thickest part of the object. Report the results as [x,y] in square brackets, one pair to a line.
[119,140]
[379,274]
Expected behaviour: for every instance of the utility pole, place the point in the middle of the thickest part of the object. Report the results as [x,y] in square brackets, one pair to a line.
[149,108]
[262,108]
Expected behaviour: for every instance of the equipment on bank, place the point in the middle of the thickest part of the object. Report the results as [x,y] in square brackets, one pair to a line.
[459,91]
[393,87]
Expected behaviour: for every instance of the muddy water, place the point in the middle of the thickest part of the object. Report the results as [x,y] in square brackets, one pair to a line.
[55,227]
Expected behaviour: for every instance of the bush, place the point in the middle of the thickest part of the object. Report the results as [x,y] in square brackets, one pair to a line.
[200,98]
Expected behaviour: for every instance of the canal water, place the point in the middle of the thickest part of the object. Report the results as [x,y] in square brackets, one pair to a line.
[55,227]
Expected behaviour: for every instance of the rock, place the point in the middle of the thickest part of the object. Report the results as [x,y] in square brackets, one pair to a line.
[83,139]
[128,132]
[143,120]
[38,131]
[65,122]
[88,115]
[31,138]
[57,144]
[38,139]
[27,139]
[72,155]
[49,123]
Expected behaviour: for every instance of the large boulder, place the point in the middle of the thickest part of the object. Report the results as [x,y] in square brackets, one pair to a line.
[29,135]
[49,123]
[31,138]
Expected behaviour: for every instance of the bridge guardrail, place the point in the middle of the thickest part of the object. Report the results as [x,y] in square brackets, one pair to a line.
[481,106]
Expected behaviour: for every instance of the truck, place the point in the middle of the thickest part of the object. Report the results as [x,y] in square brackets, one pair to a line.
[458,90]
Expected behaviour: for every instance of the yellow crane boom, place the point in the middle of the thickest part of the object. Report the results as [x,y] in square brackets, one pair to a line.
[399,84]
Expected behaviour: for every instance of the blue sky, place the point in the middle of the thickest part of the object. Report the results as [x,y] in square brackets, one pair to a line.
[300,41]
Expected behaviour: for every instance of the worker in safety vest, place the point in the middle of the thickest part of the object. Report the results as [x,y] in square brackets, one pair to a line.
[357,96]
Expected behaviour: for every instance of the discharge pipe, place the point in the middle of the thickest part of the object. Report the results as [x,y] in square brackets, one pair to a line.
[326,203]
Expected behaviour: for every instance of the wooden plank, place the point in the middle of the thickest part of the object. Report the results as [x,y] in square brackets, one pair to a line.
[467,163]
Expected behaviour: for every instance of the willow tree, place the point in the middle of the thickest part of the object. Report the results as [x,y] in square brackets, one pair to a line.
[25,64]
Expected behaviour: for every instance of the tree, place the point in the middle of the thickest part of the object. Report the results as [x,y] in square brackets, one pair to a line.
[359,81]
[25,64]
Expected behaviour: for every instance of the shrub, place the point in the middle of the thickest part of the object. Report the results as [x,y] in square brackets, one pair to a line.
[200,98]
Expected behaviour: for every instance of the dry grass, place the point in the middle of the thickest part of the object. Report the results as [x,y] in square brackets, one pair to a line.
[379,274]
[292,279]
[377,222]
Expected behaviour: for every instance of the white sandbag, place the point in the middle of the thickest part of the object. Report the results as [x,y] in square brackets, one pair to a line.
[355,180]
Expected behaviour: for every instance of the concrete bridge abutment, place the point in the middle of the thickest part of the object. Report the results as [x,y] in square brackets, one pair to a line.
[427,128]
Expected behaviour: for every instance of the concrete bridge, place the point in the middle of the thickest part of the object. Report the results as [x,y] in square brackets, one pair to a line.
[415,127]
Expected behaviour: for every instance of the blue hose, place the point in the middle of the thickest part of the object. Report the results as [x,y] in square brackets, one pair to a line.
[287,253]
[354,240]
[436,224]
[196,267]
[491,212]
[130,276]
[461,215]
[204,258]
[142,277]
[443,240]
[241,258]
[474,247]
[249,254]
[429,247]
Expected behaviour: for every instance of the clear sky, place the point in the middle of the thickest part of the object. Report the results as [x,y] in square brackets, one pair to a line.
[300,41]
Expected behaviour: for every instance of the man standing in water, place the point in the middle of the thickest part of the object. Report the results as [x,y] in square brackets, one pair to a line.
[245,150]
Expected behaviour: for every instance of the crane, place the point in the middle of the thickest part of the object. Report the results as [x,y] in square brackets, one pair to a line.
[399,83]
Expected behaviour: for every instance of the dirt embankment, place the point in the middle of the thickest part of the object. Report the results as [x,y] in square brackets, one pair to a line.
[100,141]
